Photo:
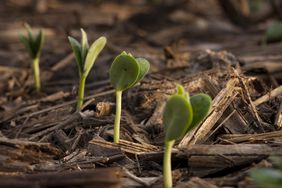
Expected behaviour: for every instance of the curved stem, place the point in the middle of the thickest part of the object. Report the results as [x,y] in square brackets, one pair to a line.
[117,118]
[80,96]
[167,164]
[36,73]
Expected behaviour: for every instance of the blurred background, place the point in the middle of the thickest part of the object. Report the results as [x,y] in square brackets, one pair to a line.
[166,32]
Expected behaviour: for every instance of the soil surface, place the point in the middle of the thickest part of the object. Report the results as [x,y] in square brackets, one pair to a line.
[45,142]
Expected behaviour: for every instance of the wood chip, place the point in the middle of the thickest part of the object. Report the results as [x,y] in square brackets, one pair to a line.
[239,138]
[196,182]
[101,178]
[278,117]
[126,146]
[272,94]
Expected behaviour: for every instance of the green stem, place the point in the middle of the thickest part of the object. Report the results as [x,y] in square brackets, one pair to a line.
[36,73]
[117,118]
[167,164]
[80,96]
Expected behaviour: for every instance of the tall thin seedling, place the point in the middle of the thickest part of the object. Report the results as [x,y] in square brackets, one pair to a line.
[34,44]
[85,57]
[125,72]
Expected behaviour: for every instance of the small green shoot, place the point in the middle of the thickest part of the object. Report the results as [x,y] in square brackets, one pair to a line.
[181,114]
[85,57]
[273,34]
[268,177]
[125,72]
[33,44]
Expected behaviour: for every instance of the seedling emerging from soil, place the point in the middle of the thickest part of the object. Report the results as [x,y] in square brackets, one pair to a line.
[181,114]
[125,72]
[85,57]
[34,46]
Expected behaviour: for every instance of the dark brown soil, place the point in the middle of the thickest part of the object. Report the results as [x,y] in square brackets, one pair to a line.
[44,142]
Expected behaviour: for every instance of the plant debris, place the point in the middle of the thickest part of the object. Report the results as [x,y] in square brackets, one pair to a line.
[43,137]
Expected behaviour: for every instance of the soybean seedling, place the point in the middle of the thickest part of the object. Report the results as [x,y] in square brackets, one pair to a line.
[125,72]
[181,114]
[85,57]
[33,44]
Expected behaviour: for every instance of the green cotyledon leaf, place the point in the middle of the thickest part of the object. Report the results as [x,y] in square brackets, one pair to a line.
[93,52]
[26,43]
[124,72]
[84,45]
[201,104]
[32,43]
[177,117]
[144,68]
[30,39]
[277,161]
[76,48]
[274,33]
[38,43]
[267,178]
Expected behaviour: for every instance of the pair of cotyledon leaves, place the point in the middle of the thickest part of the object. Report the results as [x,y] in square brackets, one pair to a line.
[182,113]
[126,71]
[85,56]
[32,43]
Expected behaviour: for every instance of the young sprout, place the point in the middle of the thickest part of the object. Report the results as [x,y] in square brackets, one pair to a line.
[34,46]
[125,72]
[273,33]
[181,114]
[85,57]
